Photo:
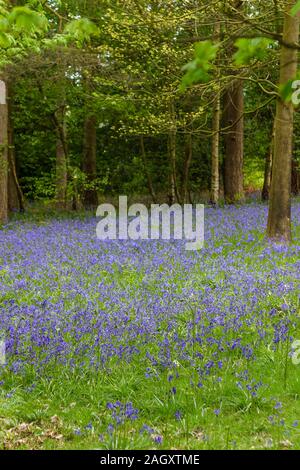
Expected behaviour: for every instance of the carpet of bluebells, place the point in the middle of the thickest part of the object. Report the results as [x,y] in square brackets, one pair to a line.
[159,346]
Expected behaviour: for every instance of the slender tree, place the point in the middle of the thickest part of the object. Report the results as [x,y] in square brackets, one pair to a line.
[147,171]
[3,152]
[234,132]
[187,163]
[268,169]
[215,146]
[295,177]
[279,220]
[15,193]
[61,159]
[172,141]
[215,174]
[234,142]
[90,159]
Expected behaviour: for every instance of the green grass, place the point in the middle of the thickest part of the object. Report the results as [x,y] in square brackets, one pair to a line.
[49,416]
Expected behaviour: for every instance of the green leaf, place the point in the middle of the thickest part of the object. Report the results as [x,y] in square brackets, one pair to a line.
[295,8]
[205,52]
[5,40]
[4,24]
[27,20]
[197,70]
[81,30]
[249,49]
[289,91]
[286,91]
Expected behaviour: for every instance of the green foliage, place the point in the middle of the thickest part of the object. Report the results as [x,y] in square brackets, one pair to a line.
[296,8]
[23,19]
[39,188]
[81,30]
[197,70]
[130,77]
[251,49]
[286,91]
[79,183]
[20,31]
[6,40]
[4,24]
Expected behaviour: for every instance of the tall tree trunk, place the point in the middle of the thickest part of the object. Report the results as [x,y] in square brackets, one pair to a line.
[215,173]
[90,160]
[279,220]
[234,142]
[3,152]
[215,147]
[268,169]
[186,169]
[61,165]
[234,134]
[147,171]
[172,137]
[15,193]
[295,177]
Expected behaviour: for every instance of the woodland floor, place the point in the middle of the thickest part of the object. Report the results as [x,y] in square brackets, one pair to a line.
[140,345]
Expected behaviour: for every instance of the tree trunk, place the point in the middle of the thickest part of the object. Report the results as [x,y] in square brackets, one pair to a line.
[172,156]
[215,174]
[279,220]
[295,177]
[61,168]
[187,164]
[147,171]
[234,142]
[3,152]
[215,147]
[172,137]
[268,169]
[15,194]
[90,160]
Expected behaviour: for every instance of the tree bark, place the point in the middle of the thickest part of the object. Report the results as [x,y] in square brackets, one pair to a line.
[295,177]
[61,165]
[15,193]
[234,134]
[234,142]
[172,157]
[3,152]
[215,148]
[215,173]
[172,137]
[147,171]
[90,160]
[187,164]
[268,169]
[279,220]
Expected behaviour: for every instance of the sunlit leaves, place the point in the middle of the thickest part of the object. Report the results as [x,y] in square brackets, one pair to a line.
[197,71]
[6,40]
[249,49]
[4,24]
[26,20]
[20,20]
[286,91]
[296,8]
[20,31]
[289,91]
[81,30]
